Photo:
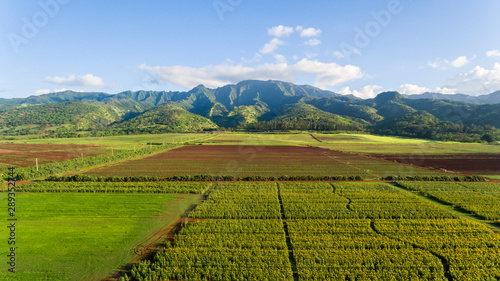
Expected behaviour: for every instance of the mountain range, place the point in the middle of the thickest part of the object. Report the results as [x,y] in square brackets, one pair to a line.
[250,105]
[492,98]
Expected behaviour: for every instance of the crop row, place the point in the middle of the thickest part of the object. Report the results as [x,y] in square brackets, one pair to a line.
[240,201]
[114,187]
[353,200]
[470,249]
[482,199]
[209,250]
[379,232]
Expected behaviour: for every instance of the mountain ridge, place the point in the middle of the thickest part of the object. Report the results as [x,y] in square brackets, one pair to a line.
[250,105]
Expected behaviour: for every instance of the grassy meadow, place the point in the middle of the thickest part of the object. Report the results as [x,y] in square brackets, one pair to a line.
[74,236]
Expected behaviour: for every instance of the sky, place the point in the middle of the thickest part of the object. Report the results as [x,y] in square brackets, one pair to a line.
[360,47]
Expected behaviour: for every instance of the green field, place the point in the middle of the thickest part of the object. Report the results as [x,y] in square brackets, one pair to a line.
[122,142]
[371,144]
[76,236]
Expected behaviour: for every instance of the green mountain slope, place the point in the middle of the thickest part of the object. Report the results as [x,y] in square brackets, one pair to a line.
[252,105]
[165,118]
[57,117]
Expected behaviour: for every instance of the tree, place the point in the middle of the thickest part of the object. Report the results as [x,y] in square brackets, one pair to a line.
[488,138]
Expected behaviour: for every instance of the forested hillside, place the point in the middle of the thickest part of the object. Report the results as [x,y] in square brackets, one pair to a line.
[249,105]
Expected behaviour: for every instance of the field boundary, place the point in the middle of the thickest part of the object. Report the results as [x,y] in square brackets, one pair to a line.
[147,248]
[451,208]
[444,261]
[291,255]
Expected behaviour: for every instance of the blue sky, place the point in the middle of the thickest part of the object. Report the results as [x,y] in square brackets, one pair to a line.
[352,47]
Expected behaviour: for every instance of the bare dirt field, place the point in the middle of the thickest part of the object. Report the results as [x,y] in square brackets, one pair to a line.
[22,155]
[481,163]
[244,160]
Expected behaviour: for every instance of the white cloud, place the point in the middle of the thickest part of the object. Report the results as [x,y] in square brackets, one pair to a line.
[280,31]
[280,58]
[338,55]
[478,81]
[444,64]
[411,89]
[86,81]
[271,46]
[325,74]
[42,92]
[313,42]
[308,32]
[446,91]
[310,55]
[459,62]
[366,92]
[48,91]
[493,53]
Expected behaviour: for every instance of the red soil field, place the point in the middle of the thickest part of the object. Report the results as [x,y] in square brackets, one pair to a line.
[22,155]
[478,164]
[243,160]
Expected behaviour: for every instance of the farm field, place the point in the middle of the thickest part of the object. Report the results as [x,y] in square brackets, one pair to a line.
[299,138]
[467,158]
[23,155]
[473,163]
[243,161]
[262,230]
[120,142]
[481,199]
[372,144]
[75,236]
[379,232]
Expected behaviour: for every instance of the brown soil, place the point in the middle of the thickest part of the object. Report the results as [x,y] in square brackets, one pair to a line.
[465,163]
[20,154]
[222,141]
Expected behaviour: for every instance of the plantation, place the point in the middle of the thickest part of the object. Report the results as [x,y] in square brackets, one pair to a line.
[265,161]
[114,187]
[377,231]
[246,216]
[481,199]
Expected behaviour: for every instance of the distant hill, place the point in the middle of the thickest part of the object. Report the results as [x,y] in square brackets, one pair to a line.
[492,98]
[165,118]
[252,105]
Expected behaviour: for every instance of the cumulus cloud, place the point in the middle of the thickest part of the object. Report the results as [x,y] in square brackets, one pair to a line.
[85,81]
[369,91]
[280,31]
[478,81]
[280,58]
[308,32]
[313,42]
[493,53]
[325,74]
[446,91]
[444,64]
[271,46]
[411,89]
[460,61]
